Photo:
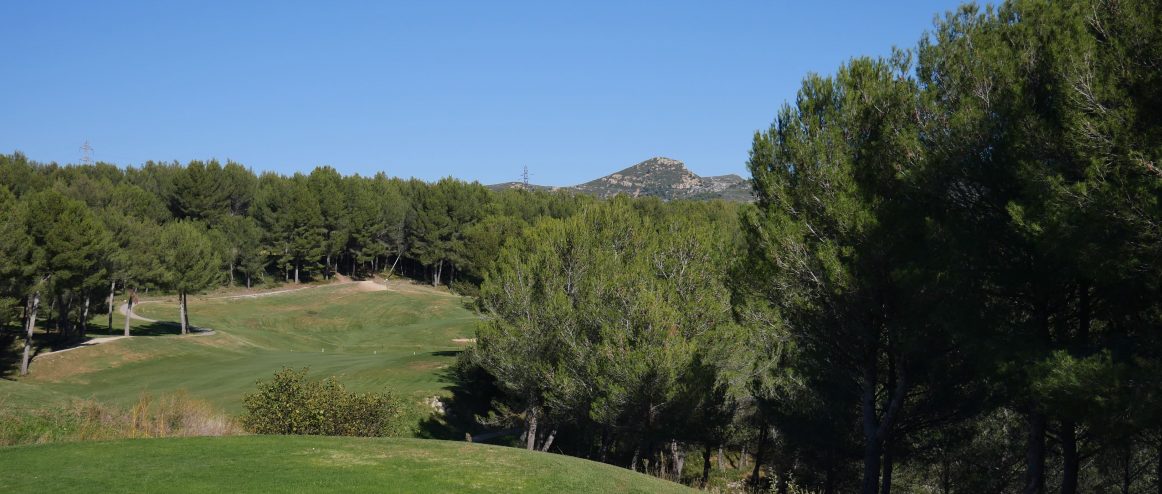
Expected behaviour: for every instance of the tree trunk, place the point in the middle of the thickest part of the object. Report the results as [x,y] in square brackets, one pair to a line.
[327,270]
[742,458]
[549,440]
[391,272]
[603,449]
[1035,455]
[182,312]
[886,481]
[885,436]
[130,295]
[231,272]
[1069,458]
[296,272]
[721,459]
[34,304]
[647,458]
[872,447]
[706,465]
[112,300]
[531,440]
[64,306]
[85,317]
[637,451]
[52,303]
[248,280]
[679,460]
[758,454]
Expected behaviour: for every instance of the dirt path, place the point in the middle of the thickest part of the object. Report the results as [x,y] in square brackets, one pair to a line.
[280,292]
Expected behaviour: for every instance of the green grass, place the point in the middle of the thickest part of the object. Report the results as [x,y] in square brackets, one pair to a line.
[372,340]
[18,396]
[307,464]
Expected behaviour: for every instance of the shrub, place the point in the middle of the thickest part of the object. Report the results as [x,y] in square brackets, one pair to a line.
[292,404]
[464,288]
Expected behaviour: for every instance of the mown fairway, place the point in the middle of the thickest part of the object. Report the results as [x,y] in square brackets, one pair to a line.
[307,464]
[399,339]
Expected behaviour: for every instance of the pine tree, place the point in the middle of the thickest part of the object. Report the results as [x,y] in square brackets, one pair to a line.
[326,185]
[189,262]
[15,256]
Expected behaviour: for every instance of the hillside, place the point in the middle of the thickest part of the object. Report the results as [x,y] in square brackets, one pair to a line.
[372,336]
[666,178]
[307,464]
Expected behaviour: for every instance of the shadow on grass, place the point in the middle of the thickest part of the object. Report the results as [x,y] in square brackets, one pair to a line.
[160,328]
[46,341]
[12,348]
[472,393]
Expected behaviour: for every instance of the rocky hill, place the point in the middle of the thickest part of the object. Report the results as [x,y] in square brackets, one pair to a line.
[665,178]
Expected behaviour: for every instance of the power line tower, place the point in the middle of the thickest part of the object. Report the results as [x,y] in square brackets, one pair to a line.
[525,177]
[86,154]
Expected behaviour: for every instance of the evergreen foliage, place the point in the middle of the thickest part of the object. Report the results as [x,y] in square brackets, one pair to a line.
[951,279]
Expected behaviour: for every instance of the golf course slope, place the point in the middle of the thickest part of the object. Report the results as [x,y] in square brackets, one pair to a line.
[307,464]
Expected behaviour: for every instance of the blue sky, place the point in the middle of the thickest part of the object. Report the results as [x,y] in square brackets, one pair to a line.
[475,90]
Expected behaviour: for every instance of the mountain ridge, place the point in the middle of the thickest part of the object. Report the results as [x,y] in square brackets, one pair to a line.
[662,177]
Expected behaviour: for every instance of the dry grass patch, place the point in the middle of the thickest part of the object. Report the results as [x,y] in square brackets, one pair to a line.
[172,415]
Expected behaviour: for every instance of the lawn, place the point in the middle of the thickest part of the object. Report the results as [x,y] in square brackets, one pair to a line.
[307,464]
[398,339]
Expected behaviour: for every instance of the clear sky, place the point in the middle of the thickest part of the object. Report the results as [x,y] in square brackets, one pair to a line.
[473,89]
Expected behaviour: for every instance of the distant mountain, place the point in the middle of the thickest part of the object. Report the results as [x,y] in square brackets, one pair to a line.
[665,178]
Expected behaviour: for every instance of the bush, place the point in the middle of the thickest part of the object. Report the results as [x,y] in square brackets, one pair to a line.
[291,404]
[464,288]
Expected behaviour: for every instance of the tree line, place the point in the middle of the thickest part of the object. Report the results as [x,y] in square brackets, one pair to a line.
[951,280]
[72,238]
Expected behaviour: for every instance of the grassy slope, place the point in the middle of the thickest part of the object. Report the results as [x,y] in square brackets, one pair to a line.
[22,396]
[372,340]
[307,464]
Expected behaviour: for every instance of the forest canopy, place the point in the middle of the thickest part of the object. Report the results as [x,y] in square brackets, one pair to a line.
[950,281]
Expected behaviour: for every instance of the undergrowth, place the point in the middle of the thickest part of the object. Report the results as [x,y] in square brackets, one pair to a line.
[171,415]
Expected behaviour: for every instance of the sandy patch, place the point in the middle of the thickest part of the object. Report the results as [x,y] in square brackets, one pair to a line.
[410,287]
[370,286]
